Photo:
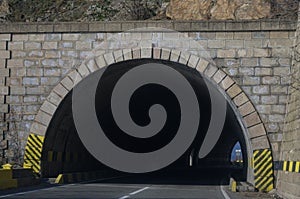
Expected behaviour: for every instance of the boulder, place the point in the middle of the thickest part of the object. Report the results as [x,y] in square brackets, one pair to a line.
[4,10]
[218,9]
[189,9]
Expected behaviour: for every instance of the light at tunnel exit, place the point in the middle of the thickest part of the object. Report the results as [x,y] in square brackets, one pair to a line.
[236,153]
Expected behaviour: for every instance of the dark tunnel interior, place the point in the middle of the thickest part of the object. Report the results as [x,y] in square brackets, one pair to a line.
[63,151]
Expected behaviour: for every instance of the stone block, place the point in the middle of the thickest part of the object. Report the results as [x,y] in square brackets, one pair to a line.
[276,118]
[48,45]
[53,37]
[216,44]
[271,99]
[193,61]
[60,90]
[263,71]
[240,99]
[36,37]
[70,36]
[224,35]
[246,109]
[5,37]
[127,54]
[4,90]
[14,63]
[175,55]
[261,52]
[38,90]
[202,65]
[48,107]
[146,52]
[30,81]
[16,90]
[109,58]
[91,65]
[83,70]
[43,118]
[136,53]
[219,76]
[278,89]
[156,53]
[16,45]
[264,109]
[34,72]
[4,72]
[100,61]
[33,46]
[165,54]
[48,72]
[226,82]
[210,70]
[184,58]
[254,43]
[226,53]
[20,37]
[50,81]
[36,54]
[257,130]
[234,44]
[67,83]
[252,119]
[234,91]
[82,45]
[271,80]
[4,54]
[281,109]
[3,108]
[54,98]
[262,89]
[30,99]
[118,54]
[250,80]
[260,143]
[38,129]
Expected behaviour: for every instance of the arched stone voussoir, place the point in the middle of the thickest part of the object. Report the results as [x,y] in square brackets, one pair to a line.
[244,106]
[261,142]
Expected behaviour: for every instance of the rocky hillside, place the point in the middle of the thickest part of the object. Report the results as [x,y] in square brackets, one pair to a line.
[107,10]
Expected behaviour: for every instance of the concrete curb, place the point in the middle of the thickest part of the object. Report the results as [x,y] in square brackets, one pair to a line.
[66,178]
[14,178]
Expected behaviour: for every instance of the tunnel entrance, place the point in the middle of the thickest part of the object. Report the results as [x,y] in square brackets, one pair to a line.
[64,152]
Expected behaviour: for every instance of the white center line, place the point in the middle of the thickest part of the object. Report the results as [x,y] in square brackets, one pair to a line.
[135,192]
[226,196]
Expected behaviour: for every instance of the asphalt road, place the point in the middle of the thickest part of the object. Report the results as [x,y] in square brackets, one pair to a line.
[163,185]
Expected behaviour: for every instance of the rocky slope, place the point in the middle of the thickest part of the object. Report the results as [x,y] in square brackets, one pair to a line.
[107,10]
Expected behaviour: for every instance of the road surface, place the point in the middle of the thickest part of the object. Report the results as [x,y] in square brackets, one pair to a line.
[164,186]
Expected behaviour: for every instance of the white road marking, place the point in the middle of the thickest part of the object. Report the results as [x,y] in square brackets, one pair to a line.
[226,196]
[135,192]
[45,189]
[138,191]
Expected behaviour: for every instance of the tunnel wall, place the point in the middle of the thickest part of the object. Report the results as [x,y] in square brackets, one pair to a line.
[289,178]
[36,57]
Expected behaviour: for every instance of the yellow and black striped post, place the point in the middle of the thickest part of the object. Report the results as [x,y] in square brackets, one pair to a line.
[289,166]
[263,170]
[33,152]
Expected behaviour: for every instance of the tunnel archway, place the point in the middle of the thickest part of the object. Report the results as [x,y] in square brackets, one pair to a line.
[240,109]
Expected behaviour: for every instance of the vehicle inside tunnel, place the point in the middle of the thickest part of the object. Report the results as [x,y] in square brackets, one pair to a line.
[65,152]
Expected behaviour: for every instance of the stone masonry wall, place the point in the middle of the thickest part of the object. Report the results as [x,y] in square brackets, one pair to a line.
[37,56]
[289,182]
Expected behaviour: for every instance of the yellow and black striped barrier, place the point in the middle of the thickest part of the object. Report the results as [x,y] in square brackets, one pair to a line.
[66,178]
[59,156]
[289,166]
[263,170]
[33,152]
